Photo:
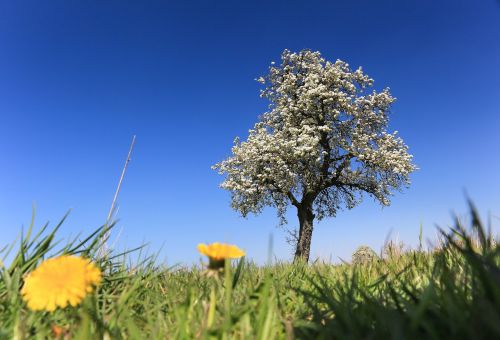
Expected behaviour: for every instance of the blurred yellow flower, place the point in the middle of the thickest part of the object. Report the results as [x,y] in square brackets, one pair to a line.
[219,252]
[60,281]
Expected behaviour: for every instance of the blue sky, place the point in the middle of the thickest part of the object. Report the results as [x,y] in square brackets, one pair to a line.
[79,78]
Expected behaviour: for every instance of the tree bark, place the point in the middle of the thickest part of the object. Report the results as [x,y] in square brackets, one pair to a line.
[306,219]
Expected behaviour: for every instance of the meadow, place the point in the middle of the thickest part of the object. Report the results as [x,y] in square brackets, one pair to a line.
[451,290]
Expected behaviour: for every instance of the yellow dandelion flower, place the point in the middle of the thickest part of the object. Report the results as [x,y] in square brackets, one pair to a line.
[219,252]
[60,281]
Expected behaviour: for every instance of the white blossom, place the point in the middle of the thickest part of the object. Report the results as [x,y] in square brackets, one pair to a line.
[325,137]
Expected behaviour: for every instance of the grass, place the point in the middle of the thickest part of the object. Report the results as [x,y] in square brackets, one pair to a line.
[452,291]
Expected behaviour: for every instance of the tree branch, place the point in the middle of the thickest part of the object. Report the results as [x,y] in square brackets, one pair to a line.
[367,188]
[293,199]
[288,193]
[334,179]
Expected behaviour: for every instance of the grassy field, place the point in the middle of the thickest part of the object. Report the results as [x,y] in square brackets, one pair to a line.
[452,291]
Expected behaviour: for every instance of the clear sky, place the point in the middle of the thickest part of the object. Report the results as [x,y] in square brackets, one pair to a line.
[79,78]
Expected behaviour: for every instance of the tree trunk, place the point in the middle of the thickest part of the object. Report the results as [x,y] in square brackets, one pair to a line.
[306,218]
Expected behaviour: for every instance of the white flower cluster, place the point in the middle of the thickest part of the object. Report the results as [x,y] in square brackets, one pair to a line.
[322,142]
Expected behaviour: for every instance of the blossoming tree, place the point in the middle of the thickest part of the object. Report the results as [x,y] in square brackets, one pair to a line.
[322,144]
